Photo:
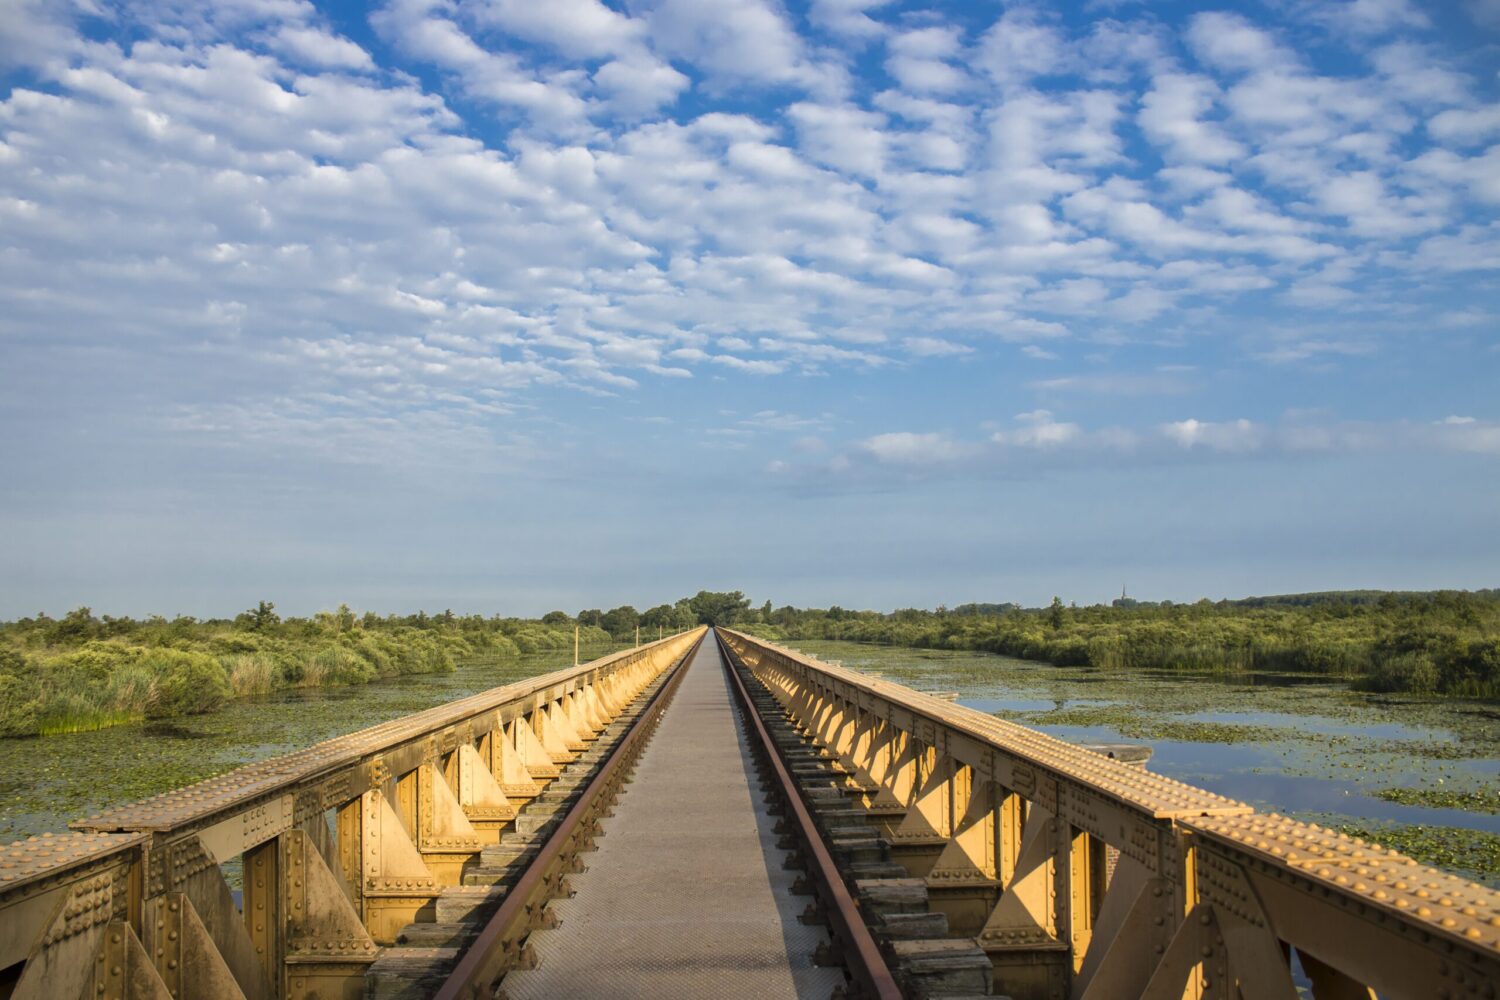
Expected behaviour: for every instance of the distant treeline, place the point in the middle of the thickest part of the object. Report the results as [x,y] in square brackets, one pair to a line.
[1441,642]
[83,672]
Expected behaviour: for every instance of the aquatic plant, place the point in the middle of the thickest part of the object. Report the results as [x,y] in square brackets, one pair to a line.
[251,673]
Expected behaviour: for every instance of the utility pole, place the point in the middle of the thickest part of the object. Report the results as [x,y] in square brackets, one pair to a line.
[637,635]
[575,645]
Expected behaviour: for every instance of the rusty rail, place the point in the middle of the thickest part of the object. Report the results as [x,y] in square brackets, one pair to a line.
[500,945]
[867,968]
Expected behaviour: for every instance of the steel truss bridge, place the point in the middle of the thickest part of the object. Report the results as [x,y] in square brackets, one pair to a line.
[714,815]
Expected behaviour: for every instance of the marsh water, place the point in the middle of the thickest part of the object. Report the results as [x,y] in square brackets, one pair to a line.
[1303,746]
[47,781]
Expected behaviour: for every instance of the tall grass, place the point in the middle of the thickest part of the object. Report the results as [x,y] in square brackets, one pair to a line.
[251,673]
[84,673]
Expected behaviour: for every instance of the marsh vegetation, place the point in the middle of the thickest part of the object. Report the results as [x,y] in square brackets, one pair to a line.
[82,672]
[1439,642]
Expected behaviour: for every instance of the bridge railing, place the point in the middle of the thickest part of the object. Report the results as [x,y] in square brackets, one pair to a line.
[340,845]
[1085,878]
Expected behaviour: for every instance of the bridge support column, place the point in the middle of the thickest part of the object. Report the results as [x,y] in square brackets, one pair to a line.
[505,764]
[555,739]
[1021,935]
[327,948]
[919,838]
[963,881]
[444,837]
[528,745]
[587,714]
[122,970]
[884,805]
[576,708]
[392,884]
[484,804]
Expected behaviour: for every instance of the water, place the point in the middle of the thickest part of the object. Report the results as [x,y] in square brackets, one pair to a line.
[1299,745]
[51,780]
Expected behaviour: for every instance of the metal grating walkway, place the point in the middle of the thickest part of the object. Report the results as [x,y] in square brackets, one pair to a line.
[686,895]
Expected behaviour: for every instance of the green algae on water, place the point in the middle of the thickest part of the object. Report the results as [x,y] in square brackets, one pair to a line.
[1474,853]
[1479,800]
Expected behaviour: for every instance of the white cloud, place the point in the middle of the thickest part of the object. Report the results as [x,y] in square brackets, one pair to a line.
[934,347]
[731,40]
[1018,47]
[849,19]
[1237,435]
[636,87]
[1230,42]
[844,137]
[582,212]
[1039,430]
[921,60]
[1037,441]
[316,47]
[906,448]
[580,28]
[1369,17]
[1172,115]
[1465,125]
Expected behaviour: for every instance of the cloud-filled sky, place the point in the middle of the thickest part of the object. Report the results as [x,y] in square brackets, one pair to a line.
[501,305]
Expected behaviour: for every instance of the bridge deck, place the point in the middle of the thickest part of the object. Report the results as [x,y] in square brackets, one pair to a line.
[686,896]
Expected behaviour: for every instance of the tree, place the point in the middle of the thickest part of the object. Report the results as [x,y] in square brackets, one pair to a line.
[263,617]
[1055,613]
[593,616]
[78,625]
[714,608]
[556,618]
[621,622]
[661,615]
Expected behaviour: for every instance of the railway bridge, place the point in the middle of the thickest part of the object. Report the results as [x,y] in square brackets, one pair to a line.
[714,815]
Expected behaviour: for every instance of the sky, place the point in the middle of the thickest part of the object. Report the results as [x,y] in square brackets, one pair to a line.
[502,306]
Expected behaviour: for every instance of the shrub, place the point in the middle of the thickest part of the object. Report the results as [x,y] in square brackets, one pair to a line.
[336,664]
[230,643]
[1414,673]
[18,706]
[131,690]
[185,683]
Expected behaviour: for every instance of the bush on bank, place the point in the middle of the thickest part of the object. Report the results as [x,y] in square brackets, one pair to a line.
[82,672]
[1439,643]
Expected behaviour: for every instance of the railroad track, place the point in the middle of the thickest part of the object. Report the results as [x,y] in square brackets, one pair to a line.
[838,938]
[479,930]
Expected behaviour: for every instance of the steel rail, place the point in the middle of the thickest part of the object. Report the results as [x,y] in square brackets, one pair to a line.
[496,951]
[867,967]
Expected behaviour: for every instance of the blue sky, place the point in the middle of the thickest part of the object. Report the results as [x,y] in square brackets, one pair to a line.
[500,306]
